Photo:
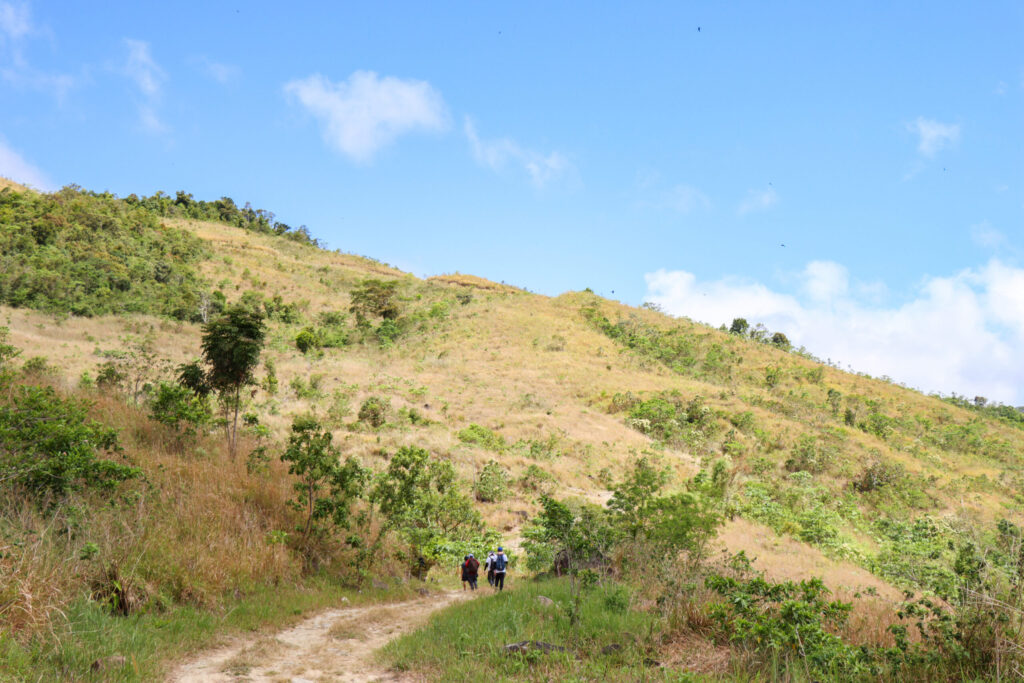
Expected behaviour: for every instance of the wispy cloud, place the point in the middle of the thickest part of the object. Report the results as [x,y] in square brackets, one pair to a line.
[148,78]
[16,28]
[957,333]
[933,136]
[366,112]
[984,235]
[686,199]
[218,71]
[498,153]
[758,200]
[15,167]
[15,21]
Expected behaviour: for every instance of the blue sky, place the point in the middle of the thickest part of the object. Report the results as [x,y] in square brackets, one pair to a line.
[611,146]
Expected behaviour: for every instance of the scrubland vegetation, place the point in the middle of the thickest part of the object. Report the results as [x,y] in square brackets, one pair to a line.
[200,408]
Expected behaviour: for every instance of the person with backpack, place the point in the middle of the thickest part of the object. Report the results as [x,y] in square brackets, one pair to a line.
[470,567]
[500,565]
[489,567]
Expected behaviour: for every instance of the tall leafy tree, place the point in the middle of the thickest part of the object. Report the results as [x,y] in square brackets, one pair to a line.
[326,487]
[231,348]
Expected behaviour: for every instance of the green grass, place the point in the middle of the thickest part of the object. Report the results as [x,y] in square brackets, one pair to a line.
[466,641]
[153,642]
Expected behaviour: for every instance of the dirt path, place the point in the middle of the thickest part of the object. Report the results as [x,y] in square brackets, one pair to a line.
[336,645]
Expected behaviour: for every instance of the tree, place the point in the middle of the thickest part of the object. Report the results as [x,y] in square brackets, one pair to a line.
[420,499]
[631,499]
[375,298]
[739,326]
[326,488]
[781,341]
[231,348]
[577,536]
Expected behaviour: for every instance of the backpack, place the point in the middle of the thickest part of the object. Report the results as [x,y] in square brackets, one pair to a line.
[472,564]
[499,562]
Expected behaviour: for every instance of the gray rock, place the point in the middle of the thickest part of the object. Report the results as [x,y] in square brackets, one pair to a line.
[545,600]
[111,662]
[532,646]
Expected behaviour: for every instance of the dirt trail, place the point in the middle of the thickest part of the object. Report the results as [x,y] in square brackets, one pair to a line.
[336,645]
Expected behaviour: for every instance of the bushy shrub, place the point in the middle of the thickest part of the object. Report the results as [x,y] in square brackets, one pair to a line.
[482,436]
[50,447]
[307,340]
[374,411]
[178,407]
[491,484]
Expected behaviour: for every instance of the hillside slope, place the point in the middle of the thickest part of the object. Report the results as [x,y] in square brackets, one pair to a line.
[873,486]
[841,461]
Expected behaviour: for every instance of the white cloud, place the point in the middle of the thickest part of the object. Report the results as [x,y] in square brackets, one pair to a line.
[16,27]
[984,235]
[15,20]
[958,333]
[933,136]
[140,68]
[825,281]
[14,167]
[686,199]
[758,200]
[366,112]
[222,73]
[147,76]
[498,153]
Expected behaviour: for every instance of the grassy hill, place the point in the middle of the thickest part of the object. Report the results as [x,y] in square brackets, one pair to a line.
[875,487]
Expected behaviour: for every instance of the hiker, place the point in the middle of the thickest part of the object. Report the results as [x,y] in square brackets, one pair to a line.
[489,566]
[500,565]
[470,567]
[462,571]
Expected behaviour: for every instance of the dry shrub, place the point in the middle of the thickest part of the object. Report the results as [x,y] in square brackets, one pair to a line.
[196,529]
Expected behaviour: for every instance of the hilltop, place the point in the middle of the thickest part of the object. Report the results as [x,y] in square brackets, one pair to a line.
[876,487]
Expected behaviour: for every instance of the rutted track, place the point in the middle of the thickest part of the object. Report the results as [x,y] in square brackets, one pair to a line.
[336,645]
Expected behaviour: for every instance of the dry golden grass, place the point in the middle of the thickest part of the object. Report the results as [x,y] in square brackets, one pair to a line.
[6,183]
[196,530]
[524,365]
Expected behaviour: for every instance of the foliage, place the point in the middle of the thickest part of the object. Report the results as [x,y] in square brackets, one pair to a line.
[579,535]
[739,326]
[491,484]
[678,348]
[50,447]
[308,340]
[671,420]
[482,436]
[792,622]
[181,409]
[420,499]
[374,411]
[326,488]
[231,347]
[90,254]
[373,298]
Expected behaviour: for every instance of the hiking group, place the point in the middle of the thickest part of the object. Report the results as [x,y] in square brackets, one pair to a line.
[496,566]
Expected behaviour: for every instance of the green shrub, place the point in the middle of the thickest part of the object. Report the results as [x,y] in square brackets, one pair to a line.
[181,409]
[491,484]
[51,447]
[792,622]
[374,411]
[91,254]
[482,436]
[537,479]
[809,456]
[308,340]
